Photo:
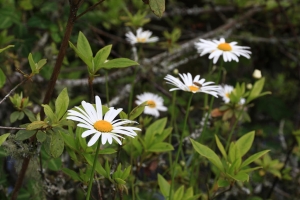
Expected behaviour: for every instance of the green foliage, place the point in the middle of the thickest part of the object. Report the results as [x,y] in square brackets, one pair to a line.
[137,20]
[157,7]
[269,165]
[3,138]
[231,168]
[2,78]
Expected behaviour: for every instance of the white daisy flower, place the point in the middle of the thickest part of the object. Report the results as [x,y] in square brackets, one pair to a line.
[192,85]
[154,103]
[215,48]
[98,125]
[140,37]
[224,92]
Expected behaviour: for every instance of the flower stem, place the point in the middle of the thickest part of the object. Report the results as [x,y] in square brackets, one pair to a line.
[106,88]
[92,173]
[180,143]
[173,122]
[232,129]
[132,89]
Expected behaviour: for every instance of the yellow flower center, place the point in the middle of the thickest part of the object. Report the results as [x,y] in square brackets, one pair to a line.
[151,104]
[227,95]
[103,126]
[141,40]
[224,47]
[193,88]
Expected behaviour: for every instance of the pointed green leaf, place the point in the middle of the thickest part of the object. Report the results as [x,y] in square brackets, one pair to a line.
[163,135]
[2,78]
[14,116]
[250,169]
[86,60]
[245,142]
[256,90]
[253,158]
[137,111]
[208,153]
[157,7]
[37,125]
[107,151]
[179,193]
[3,138]
[71,173]
[221,147]
[101,56]
[32,64]
[164,186]
[83,46]
[62,103]
[9,46]
[240,176]
[56,145]
[120,181]
[160,147]
[49,113]
[69,140]
[118,63]
[24,134]
[90,159]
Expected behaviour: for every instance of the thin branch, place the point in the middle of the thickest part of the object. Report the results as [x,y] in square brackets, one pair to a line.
[88,9]
[8,94]
[11,128]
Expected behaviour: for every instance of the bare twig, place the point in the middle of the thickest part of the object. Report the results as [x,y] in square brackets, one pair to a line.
[88,9]
[11,91]
[12,128]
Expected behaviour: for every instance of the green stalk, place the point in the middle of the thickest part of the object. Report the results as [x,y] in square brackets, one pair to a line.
[132,88]
[106,88]
[180,143]
[232,129]
[93,170]
[173,122]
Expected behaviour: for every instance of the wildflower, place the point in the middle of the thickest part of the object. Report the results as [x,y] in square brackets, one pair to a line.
[224,92]
[215,48]
[141,37]
[154,103]
[256,74]
[192,85]
[98,125]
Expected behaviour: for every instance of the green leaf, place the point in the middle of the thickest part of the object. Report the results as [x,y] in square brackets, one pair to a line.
[41,136]
[41,63]
[56,145]
[90,159]
[86,60]
[101,56]
[164,135]
[24,134]
[49,113]
[119,63]
[164,186]
[223,183]
[14,116]
[240,176]
[83,46]
[69,140]
[256,90]
[79,140]
[221,147]
[137,111]
[3,138]
[72,174]
[54,164]
[107,151]
[157,127]
[208,153]
[2,78]
[253,158]
[37,125]
[157,7]
[126,173]
[7,47]
[160,147]
[245,142]
[32,64]
[179,193]
[250,169]
[62,103]
[120,181]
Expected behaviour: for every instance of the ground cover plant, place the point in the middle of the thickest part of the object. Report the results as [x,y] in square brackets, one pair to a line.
[147,99]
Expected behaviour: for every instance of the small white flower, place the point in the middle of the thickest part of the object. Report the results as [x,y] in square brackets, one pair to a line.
[215,48]
[257,74]
[140,37]
[154,103]
[192,85]
[98,125]
[224,92]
